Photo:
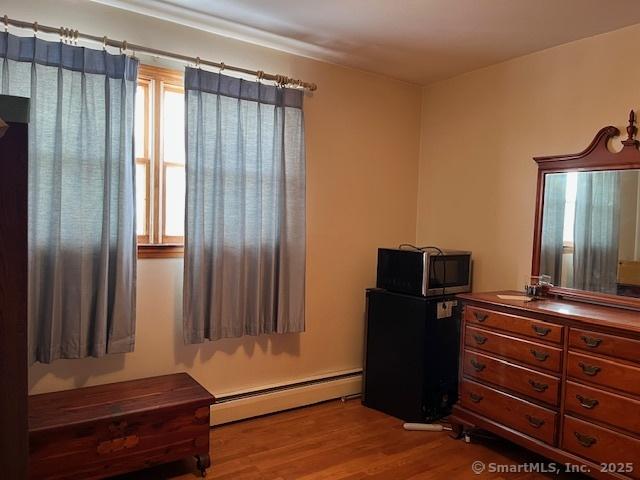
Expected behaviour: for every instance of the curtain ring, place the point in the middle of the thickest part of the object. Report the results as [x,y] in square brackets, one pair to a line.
[35,29]
[104,43]
[197,62]
[6,23]
[76,36]
[123,48]
[282,80]
[222,66]
[260,75]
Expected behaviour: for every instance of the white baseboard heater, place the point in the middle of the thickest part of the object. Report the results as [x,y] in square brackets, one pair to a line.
[254,402]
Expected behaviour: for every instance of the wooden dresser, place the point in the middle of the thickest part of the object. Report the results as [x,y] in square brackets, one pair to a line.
[97,432]
[561,378]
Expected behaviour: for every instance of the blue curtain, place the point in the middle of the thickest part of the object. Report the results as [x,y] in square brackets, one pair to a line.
[596,231]
[551,244]
[244,265]
[82,235]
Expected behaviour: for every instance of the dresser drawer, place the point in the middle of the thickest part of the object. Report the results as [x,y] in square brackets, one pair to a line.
[514,324]
[604,372]
[511,411]
[602,406]
[518,379]
[531,353]
[604,344]
[601,445]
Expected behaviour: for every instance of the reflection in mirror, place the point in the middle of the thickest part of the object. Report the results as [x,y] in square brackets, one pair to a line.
[591,231]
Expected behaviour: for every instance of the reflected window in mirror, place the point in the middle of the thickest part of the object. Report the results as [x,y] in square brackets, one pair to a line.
[591,231]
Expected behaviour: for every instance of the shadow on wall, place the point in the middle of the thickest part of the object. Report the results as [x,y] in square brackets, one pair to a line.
[185,355]
[82,371]
[79,370]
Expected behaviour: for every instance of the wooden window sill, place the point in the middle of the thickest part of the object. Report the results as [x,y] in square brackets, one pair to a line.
[166,250]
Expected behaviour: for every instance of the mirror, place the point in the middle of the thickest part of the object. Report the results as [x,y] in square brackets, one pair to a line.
[586,235]
[590,236]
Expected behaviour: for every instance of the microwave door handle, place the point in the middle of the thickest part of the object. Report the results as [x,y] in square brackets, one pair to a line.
[425,273]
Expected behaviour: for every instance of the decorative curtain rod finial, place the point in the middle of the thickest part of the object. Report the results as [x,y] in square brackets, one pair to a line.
[632,130]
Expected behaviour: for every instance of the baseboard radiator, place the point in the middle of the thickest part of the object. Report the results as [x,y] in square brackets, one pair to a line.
[250,403]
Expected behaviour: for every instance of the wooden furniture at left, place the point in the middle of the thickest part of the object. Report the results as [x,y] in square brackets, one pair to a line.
[13,286]
[97,432]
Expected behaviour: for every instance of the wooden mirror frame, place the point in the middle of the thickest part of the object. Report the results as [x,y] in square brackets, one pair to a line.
[596,157]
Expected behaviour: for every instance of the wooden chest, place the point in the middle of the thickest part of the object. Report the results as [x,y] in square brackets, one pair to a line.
[97,432]
[558,377]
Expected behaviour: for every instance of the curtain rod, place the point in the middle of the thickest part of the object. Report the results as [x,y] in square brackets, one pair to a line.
[74,35]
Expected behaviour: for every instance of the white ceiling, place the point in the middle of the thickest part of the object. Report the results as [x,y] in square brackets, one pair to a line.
[419,41]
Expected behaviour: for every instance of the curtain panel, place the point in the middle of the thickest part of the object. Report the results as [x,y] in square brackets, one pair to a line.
[244,265]
[552,238]
[82,235]
[596,231]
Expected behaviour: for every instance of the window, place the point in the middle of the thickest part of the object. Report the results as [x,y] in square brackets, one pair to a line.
[160,162]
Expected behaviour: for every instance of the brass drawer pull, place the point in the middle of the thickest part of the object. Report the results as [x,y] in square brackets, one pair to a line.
[540,356]
[591,342]
[534,422]
[590,370]
[587,402]
[481,317]
[538,387]
[542,331]
[475,398]
[480,339]
[477,365]
[585,440]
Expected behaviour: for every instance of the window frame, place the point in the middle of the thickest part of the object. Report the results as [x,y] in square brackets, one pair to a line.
[154,244]
[145,160]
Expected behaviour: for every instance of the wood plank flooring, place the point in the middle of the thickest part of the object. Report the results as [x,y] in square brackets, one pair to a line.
[343,441]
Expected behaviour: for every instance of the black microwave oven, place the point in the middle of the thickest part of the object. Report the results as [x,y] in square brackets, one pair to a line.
[425,272]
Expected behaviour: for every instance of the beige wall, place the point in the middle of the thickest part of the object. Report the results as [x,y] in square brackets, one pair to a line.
[362,134]
[479,134]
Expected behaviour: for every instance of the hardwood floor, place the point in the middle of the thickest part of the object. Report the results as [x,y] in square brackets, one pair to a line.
[343,441]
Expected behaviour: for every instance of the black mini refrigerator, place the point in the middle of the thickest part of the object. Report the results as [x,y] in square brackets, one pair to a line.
[411,355]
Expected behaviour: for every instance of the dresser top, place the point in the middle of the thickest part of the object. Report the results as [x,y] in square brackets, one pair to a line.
[597,315]
[72,407]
